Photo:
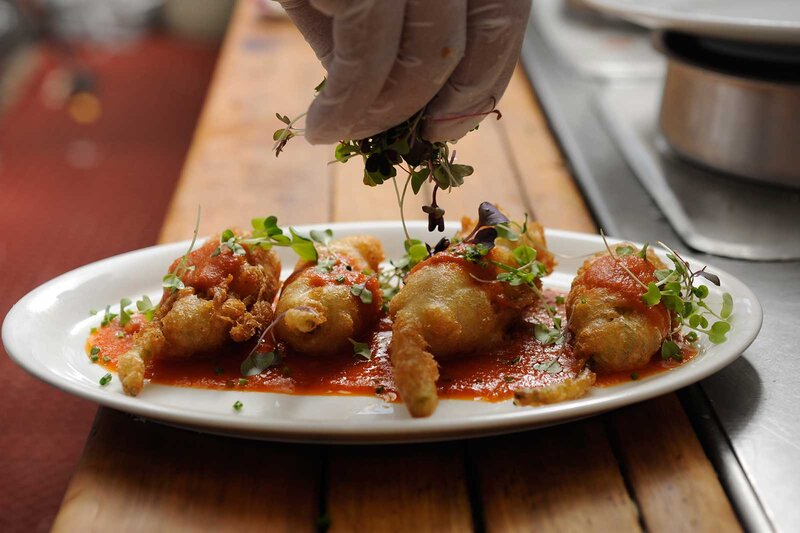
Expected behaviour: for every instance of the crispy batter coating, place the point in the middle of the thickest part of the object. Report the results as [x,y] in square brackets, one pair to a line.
[450,308]
[321,312]
[131,364]
[568,389]
[606,316]
[226,297]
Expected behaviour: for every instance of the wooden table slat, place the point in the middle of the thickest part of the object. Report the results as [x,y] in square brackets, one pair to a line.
[671,476]
[398,488]
[559,479]
[143,476]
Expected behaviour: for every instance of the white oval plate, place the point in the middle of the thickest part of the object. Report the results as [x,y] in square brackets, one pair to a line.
[764,21]
[46,330]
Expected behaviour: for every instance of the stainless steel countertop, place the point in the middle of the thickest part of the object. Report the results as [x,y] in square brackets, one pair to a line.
[752,428]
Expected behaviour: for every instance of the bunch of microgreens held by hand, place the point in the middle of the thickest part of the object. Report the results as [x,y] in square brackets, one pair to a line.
[399,149]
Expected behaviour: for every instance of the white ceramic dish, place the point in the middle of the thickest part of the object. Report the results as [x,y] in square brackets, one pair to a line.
[764,21]
[46,330]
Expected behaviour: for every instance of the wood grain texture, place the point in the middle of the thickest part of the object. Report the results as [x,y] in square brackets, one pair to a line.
[142,476]
[398,488]
[559,479]
[672,479]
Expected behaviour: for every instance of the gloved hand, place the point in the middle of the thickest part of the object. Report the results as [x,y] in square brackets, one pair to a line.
[387,59]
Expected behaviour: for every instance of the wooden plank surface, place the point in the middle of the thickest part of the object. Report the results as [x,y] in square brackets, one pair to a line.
[564,478]
[398,488]
[148,477]
[672,479]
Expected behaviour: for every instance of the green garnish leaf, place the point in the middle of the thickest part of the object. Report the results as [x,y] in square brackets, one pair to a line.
[325,265]
[172,282]
[551,367]
[670,350]
[108,317]
[105,380]
[145,306]
[653,294]
[474,253]
[237,405]
[624,250]
[257,362]
[524,254]
[727,306]
[547,335]
[559,300]
[505,231]
[303,246]
[361,291]
[643,252]
[419,177]
[361,349]
[416,250]
[717,333]
[124,315]
[323,237]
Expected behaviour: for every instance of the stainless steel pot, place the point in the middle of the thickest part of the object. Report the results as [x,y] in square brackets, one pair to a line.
[733,107]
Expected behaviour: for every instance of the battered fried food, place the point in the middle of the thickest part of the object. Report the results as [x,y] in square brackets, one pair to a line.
[451,306]
[324,304]
[226,296]
[606,315]
[568,389]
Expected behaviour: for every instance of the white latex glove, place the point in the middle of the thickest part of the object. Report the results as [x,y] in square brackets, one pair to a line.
[387,59]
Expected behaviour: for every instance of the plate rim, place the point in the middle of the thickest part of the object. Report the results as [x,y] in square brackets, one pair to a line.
[739,28]
[413,430]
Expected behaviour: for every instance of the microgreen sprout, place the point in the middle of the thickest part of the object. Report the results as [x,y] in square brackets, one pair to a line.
[124,314]
[108,316]
[172,280]
[675,288]
[391,277]
[551,366]
[361,349]
[145,307]
[265,234]
[549,335]
[361,291]
[402,148]
[528,272]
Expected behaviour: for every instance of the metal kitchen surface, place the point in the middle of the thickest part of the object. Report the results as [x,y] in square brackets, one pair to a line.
[600,81]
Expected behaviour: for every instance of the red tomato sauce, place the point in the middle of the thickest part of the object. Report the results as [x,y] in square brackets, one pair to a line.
[521,361]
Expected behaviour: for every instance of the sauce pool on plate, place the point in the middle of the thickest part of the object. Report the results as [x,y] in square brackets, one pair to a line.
[522,361]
